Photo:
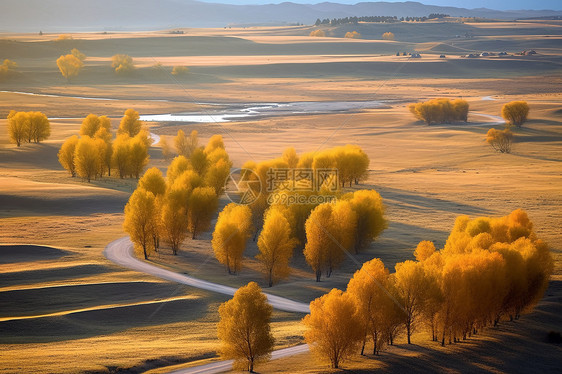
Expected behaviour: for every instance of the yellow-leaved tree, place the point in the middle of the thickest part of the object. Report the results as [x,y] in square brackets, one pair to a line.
[130,123]
[411,284]
[388,35]
[332,331]
[244,328]
[123,64]
[140,223]
[276,245]
[121,155]
[368,288]
[138,153]
[500,140]
[369,209]
[232,231]
[18,123]
[153,181]
[177,167]
[69,66]
[173,218]
[515,112]
[202,205]
[87,160]
[66,154]
[92,123]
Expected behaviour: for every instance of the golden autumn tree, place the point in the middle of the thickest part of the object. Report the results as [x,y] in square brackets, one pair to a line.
[130,123]
[232,231]
[411,286]
[66,154]
[290,157]
[352,35]
[370,210]
[167,152]
[244,328]
[38,128]
[332,331]
[181,144]
[515,112]
[92,123]
[123,64]
[7,68]
[153,181]
[368,288]
[330,232]
[217,173]
[318,33]
[87,161]
[500,140]
[198,161]
[276,246]
[138,154]
[120,157]
[179,165]
[440,110]
[140,214]
[215,142]
[388,36]
[317,239]
[203,203]
[79,55]
[104,134]
[173,218]
[179,70]
[69,66]
[18,123]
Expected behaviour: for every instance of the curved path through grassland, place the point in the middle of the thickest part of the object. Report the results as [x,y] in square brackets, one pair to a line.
[121,252]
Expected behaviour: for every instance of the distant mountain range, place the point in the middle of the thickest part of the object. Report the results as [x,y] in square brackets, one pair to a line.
[89,15]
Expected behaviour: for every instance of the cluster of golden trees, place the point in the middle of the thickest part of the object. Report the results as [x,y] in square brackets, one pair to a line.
[184,202]
[349,225]
[350,161]
[489,269]
[515,114]
[179,70]
[8,67]
[353,35]
[28,127]
[318,33]
[123,64]
[325,229]
[95,152]
[71,64]
[440,110]
[388,35]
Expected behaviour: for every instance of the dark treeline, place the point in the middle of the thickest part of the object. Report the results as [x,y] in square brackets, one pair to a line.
[379,19]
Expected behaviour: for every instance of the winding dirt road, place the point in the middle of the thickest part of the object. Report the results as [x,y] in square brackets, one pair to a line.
[120,251]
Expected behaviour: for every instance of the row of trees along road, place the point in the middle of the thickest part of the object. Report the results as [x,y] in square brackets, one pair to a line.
[95,153]
[489,270]
[183,202]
